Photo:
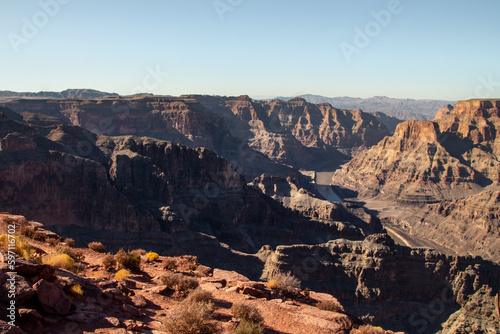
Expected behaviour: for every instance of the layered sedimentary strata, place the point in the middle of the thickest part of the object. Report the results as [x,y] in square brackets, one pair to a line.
[398,286]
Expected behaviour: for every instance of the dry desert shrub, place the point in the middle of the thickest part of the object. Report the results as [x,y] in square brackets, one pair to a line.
[27,231]
[245,311]
[179,282]
[191,317]
[70,242]
[109,262]
[169,263]
[74,253]
[140,251]
[199,295]
[248,327]
[97,247]
[52,241]
[130,260]
[329,305]
[285,284]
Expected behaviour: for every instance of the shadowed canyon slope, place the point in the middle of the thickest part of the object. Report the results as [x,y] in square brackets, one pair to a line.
[66,176]
[444,165]
[411,290]
[182,121]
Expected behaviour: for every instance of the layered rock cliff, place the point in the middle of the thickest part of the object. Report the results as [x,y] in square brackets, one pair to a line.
[412,290]
[295,132]
[449,161]
[182,121]
[465,226]
[67,176]
[424,160]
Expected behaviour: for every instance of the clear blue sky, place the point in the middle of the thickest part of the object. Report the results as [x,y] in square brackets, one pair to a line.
[429,49]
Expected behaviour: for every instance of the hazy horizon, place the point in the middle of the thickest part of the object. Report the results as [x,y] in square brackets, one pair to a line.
[396,48]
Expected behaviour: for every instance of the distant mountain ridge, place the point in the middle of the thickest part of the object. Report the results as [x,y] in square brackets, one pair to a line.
[65,94]
[406,109]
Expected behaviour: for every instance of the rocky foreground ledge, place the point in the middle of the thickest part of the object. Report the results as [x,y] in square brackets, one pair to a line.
[90,297]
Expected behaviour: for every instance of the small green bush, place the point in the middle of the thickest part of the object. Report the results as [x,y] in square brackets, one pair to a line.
[245,311]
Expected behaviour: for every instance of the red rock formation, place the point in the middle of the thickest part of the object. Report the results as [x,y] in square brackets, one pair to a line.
[71,177]
[451,161]
[296,132]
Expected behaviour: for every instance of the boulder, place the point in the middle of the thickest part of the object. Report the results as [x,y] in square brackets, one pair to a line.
[139,301]
[52,299]
[30,321]
[132,311]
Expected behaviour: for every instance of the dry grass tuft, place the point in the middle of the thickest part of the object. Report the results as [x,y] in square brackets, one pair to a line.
[152,256]
[329,305]
[122,275]
[77,291]
[59,261]
[15,244]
